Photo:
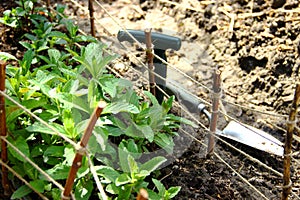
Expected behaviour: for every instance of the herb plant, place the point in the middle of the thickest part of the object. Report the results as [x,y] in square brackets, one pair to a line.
[61,82]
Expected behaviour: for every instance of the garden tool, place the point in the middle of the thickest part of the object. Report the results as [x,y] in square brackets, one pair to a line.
[161,43]
[239,132]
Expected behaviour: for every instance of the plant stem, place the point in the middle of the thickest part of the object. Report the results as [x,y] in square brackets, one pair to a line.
[5,183]
[215,110]
[287,185]
[149,53]
[78,157]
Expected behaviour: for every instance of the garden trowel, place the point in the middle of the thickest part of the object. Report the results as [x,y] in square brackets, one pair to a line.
[239,132]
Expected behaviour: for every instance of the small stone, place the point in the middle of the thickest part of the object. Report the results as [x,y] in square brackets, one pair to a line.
[119,66]
[278,3]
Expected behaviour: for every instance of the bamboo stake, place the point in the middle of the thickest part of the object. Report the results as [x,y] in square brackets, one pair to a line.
[92,19]
[142,195]
[5,183]
[215,110]
[287,184]
[48,3]
[149,53]
[78,157]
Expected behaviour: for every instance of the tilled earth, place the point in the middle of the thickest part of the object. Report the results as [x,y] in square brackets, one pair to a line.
[255,44]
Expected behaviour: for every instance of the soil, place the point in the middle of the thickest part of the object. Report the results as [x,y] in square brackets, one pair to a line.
[254,43]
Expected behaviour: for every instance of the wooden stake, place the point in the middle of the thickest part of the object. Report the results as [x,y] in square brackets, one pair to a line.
[78,157]
[287,184]
[149,53]
[142,195]
[92,19]
[5,183]
[215,110]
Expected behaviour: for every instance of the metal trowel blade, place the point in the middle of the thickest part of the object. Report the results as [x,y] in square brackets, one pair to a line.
[252,137]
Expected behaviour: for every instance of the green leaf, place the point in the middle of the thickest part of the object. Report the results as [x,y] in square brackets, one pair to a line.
[160,187]
[174,118]
[83,189]
[173,191]
[54,55]
[6,56]
[26,45]
[101,137]
[112,189]
[34,103]
[123,158]
[21,192]
[109,173]
[133,131]
[164,141]
[38,185]
[58,172]
[21,144]
[69,123]
[153,164]
[118,107]
[91,90]
[123,179]
[69,154]
[56,194]
[41,128]
[25,63]
[151,97]
[167,105]
[58,34]
[98,140]
[132,165]
[55,151]
[147,132]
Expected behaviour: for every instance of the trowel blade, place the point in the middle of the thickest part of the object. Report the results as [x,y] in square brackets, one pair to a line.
[252,137]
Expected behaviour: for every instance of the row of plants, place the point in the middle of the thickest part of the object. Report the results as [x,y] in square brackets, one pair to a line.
[61,78]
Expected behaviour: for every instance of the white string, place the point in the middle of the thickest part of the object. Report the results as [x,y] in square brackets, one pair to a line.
[55,132]
[22,179]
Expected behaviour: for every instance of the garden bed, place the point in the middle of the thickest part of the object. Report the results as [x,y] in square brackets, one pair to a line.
[257,52]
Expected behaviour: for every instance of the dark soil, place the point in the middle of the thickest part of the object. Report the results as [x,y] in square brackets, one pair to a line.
[258,56]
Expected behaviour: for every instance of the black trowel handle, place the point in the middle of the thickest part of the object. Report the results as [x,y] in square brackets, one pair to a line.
[192,103]
[161,42]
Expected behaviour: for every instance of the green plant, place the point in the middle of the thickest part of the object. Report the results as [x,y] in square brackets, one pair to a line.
[61,82]
[126,183]
[21,16]
[163,193]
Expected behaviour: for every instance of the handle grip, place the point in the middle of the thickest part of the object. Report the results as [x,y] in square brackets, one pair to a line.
[188,100]
[159,40]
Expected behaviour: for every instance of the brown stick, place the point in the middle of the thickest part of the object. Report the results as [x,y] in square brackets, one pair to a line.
[5,183]
[78,157]
[215,110]
[287,185]
[142,195]
[149,53]
[48,3]
[92,19]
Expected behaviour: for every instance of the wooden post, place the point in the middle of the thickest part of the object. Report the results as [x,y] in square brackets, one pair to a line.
[92,19]
[5,183]
[142,195]
[215,110]
[149,54]
[78,157]
[287,184]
